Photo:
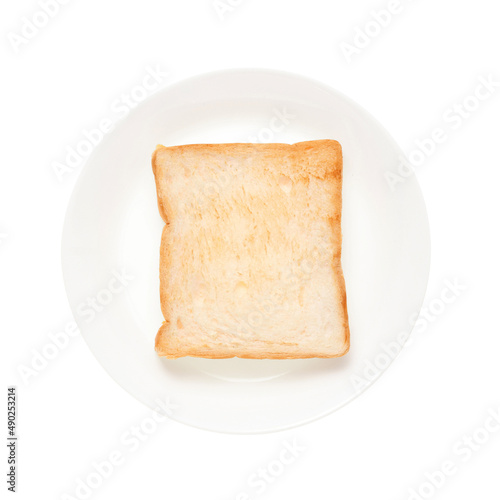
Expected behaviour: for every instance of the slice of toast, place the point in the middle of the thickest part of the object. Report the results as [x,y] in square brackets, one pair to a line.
[250,258]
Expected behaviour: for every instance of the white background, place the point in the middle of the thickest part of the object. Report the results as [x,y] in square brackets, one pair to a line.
[440,388]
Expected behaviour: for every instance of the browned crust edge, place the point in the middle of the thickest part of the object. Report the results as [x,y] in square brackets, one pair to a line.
[185,351]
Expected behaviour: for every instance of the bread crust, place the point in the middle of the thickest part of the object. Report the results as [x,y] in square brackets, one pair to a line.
[267,178]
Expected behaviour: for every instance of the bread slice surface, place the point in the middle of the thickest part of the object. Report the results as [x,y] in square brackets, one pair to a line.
[250,257]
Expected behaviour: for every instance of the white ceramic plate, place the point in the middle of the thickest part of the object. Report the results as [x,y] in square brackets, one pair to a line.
[113,224]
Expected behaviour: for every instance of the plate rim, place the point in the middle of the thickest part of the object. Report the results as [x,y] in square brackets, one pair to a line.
[77,187]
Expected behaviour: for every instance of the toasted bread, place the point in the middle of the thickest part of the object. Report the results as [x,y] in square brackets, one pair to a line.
[250,258]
